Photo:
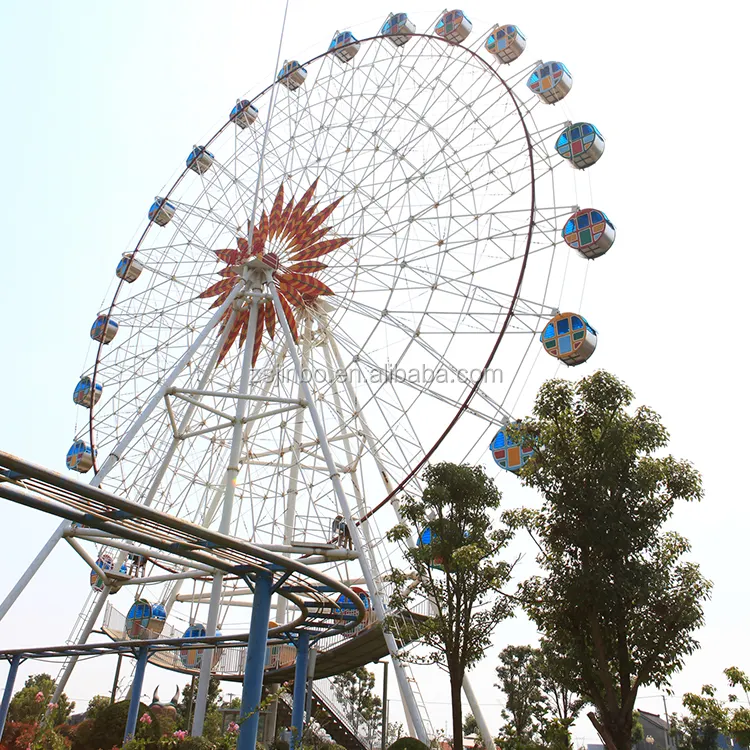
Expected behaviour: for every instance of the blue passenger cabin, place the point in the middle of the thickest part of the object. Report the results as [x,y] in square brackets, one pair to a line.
[104,329]
[85,395]
[397,29]
[550,81]
[161,211]
[158,618]
[128,269]
[569,338]
[453,26]
[507,453]
[192,658]
[243,114]
[581,144]
[426,538]
[199,160]
[292,75]
[590,232]
[346,611]
[506,43]
[345,45]
[138,619]
[79,457]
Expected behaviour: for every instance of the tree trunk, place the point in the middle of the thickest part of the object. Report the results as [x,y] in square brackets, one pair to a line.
[614,737]
[458,729]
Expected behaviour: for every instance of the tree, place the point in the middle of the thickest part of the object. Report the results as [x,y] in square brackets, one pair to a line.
[739,718]
[394,732]
[363,708]
[637,734]
[615,596]
[706,719]
[32,701]
[520,680]
[458,570]
[470,725]
[563,703]
[186,707]
[96,705]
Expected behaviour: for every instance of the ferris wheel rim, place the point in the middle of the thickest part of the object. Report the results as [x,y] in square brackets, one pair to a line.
[522,112]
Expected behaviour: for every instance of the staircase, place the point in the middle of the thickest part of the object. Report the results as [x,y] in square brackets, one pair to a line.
[329,718]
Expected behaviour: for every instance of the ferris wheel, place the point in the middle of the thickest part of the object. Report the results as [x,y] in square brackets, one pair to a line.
[356,274]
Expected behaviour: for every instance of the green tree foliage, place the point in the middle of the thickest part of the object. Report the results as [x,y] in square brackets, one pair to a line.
[364,709]
[408,743]
[739,716]
[394,732]
[563,704]
[705,720]
[539,707]
[96,705]
[186,708]
[708,717]
[459,571]
[470,725]
[107,729]
[637,733]
[521,682]
[30,703]
[615,597]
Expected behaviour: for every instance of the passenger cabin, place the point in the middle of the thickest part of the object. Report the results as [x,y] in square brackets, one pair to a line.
[107,564]
[158,619]
[292,75]
[508,454]
[161,211]
[345,45]
[243,114]
[138,619]
[581,144]
[453,26]
[346,611]
[191,658]
[199,160]
[79,457]
[590,232]
[506,43]
[569,338]
[550,81]
[85,395]
[427,537]
[104,329]
[128,269]
[397,29]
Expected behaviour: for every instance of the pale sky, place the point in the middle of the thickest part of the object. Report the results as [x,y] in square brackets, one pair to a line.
[102,102]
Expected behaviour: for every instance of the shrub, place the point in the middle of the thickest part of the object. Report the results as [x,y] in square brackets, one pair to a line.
[107,729]
[408,743]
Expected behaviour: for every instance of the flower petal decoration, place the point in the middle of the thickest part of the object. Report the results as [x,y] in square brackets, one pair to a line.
[288,238]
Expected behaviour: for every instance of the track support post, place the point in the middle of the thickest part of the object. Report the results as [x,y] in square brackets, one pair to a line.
[5,705]
[135,693]
[300,686]
[252,684]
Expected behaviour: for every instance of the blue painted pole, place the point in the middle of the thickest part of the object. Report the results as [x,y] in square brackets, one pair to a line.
[300,685]
[5,705]
[135,693]
[252,683]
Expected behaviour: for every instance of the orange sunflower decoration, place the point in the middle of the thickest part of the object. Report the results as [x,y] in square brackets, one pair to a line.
[295,233]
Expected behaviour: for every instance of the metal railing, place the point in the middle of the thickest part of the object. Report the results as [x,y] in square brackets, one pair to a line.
[325,691]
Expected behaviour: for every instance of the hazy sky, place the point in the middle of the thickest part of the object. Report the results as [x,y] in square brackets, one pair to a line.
[102,101]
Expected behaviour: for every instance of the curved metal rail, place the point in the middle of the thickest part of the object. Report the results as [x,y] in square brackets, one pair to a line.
[308,589]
